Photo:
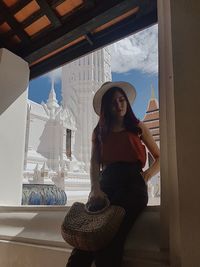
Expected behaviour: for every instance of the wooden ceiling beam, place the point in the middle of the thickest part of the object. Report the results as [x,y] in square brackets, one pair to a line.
[1,19]
[89,38]
[58,40]
[55,3]
[35,16]
[2,44]
[42,33]
[32,18]
[116,32]
[81,22]
[18,6]
[14,24]
[89,5]
[39,14]
[7,35]
[46,8]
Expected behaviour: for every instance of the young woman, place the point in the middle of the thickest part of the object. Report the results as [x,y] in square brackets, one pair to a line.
[118,153]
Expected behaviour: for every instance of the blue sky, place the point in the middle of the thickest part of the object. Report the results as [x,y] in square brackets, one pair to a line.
[39,88]
[133,59]
[142,83]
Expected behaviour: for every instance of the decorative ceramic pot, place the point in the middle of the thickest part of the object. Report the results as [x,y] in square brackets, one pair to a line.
[43,194]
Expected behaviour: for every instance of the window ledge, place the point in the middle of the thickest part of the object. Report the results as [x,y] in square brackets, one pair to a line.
[40,226]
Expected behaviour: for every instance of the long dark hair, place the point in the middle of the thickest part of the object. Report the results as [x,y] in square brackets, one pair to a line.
[104,124]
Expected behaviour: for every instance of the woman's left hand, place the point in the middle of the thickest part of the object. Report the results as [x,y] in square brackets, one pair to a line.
[150,143]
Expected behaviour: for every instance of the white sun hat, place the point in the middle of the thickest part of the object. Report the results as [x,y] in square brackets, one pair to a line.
[128,89]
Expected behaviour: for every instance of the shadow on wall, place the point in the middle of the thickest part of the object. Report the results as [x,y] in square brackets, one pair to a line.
[14,77]
[50,146]
[34,238]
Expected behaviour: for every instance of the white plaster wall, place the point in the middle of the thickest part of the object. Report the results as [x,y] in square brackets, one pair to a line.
[186,70]
[14,77]
[179,90]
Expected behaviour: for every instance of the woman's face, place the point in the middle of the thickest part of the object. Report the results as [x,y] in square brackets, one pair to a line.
[118,105]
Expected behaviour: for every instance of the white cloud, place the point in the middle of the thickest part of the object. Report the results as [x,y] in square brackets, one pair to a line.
[136,52]
[54,74]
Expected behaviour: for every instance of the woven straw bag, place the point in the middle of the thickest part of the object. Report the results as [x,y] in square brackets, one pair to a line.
[88,230]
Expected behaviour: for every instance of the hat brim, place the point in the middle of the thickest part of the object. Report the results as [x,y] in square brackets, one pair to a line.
[128,89]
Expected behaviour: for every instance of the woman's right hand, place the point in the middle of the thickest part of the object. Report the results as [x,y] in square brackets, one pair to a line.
[96,200]
[96,195]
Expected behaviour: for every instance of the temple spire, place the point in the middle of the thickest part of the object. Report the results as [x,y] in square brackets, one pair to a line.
[52,101]
[152,92]
[151,118]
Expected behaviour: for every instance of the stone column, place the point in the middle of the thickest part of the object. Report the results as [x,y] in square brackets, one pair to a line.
[179,43]
[14,78]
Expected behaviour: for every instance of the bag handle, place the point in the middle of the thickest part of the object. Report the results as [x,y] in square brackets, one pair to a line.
[107,204]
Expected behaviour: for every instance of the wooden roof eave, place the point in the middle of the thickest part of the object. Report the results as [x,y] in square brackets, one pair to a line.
[46,38]
[95,41]
[69,33]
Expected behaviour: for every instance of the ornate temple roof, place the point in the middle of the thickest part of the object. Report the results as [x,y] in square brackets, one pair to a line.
[151,118]
[50,33]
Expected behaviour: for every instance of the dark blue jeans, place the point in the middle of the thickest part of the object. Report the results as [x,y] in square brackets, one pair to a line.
[124,186]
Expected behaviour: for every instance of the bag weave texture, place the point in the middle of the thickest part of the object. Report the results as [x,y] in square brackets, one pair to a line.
[91,231]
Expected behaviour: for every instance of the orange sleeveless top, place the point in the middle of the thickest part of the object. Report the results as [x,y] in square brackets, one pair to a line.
[123,146]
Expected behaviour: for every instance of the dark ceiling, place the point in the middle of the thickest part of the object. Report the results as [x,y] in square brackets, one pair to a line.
[49,33]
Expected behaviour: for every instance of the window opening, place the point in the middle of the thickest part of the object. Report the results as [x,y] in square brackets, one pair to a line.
[66,119]
[68,143]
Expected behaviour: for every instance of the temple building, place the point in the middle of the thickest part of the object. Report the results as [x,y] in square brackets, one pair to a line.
[58,137]
[151,120]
